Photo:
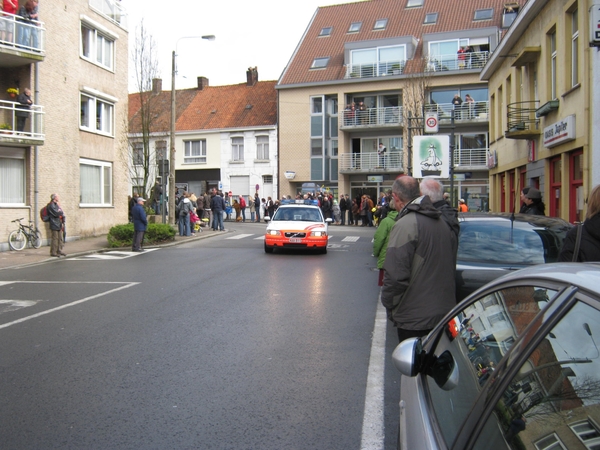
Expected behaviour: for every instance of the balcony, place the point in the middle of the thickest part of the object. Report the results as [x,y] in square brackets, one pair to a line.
[386,117]
[522,121]
[455,61]
[371,162]
[112,10]
[24,45]
[470,159]
[477,112]
[370,70]
[32,133]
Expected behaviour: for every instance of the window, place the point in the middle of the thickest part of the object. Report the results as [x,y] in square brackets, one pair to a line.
[95,183]
[316,147]
[138,153]
[380,24]
[430,18]
[552,45]
[574,48]
[355,27]
[414,3]
[484,14]
[551,442]
[97,47]
[317,105]
[378,61]
[12,178]
[96,114]
[326,31]
[237,149]
[320,63]
[267,179]
[588,432]
[194,152]
[262,147]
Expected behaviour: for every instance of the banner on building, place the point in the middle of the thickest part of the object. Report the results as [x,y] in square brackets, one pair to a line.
[431,156]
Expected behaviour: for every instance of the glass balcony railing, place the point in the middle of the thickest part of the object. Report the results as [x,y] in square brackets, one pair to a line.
[371,162]
[10,113]
[454,61]
[377,69]
[21,35]
[112,10]
[466,112]
[373,117]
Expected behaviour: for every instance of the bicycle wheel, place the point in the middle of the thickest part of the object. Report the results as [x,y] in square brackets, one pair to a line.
[36,239]
[17,240]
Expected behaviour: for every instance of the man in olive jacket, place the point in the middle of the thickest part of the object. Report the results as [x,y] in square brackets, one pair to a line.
[418,284]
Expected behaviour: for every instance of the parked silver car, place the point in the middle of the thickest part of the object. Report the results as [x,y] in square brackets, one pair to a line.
[516,365]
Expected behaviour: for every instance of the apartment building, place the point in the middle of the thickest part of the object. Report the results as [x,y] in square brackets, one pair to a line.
[540,108]
[75,61]
[226,137]
[394,61]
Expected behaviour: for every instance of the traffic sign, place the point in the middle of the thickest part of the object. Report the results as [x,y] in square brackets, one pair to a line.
[431,123]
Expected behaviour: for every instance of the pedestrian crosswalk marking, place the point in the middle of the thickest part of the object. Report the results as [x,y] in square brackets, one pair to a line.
[239,236]
[110,255]
[351,239]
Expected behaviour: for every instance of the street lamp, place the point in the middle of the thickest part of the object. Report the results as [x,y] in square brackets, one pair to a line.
[209,37]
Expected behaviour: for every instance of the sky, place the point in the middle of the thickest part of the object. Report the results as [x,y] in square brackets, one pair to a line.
[259,33]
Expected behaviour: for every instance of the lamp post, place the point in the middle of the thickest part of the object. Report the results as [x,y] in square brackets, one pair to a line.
[173,117]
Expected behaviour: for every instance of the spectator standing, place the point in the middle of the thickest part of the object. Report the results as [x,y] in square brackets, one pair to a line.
[10,7]
[355,212]
[217,206]
[589,234]
[132,203]
[349,208]
[337,212]
[257,206]
[22,108]
[418,285]
[184,208]
[238,210]
[524,192]
[381,238]
[140,223]
[462,206]
[243,207]
[326,207]
[435,191]
[57,226]
[535,205]
[252,208]
[343,209]
[156,197]
[381,154]
[270,207]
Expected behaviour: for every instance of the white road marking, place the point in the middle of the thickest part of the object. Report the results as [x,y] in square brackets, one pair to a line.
[111,255]
[240,236]
[351,239]
[373,434]
[77,302]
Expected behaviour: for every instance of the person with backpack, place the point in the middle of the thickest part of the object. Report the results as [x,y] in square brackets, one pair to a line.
[57,223]
[184,207]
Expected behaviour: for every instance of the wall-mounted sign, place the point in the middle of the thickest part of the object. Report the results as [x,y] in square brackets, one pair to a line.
[492,159]
[431,156]
[560,132]
[375,178]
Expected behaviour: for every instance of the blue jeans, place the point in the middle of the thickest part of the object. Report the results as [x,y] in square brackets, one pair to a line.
[243,214]
[184,225]
[252,216]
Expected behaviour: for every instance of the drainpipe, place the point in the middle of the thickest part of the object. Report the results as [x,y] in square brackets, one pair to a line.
[35,147]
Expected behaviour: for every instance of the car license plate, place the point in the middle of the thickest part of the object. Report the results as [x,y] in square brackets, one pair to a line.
[295,240]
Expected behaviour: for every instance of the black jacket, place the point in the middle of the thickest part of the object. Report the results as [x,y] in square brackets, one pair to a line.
[589,248]
[57,216]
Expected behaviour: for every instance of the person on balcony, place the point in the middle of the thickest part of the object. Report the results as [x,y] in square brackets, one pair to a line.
[362,113]
[22,108]
[381,152]
[10,7]
[461,57]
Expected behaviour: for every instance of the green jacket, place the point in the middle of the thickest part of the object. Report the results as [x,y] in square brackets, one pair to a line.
[382,235]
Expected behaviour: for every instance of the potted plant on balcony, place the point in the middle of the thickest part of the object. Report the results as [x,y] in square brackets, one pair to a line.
[12,92]
[5,128]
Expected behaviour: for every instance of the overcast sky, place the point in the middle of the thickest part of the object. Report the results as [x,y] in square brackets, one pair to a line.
[261,33]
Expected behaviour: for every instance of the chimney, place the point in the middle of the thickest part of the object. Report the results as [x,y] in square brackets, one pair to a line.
[156,86]
[202,83]
[251,76]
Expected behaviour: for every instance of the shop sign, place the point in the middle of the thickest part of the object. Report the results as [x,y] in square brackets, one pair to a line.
[560,132]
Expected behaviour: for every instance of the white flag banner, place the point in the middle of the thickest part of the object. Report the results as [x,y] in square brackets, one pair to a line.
[431,156]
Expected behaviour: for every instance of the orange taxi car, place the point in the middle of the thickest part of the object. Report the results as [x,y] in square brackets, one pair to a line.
[297,225]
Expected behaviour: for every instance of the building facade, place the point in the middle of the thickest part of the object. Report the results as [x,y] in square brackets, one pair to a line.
[540,109]
[73,136]
[367,73]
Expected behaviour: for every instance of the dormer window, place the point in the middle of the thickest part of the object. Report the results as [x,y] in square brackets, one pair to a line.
[326,31]
[380,24]
[355,27]
[320,63]
[430,18]
[484,14]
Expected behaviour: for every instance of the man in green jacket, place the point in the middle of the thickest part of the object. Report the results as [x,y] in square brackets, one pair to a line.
[418,284]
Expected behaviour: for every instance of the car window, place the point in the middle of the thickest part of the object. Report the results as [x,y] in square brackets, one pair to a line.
[478,338]
[297,214]
[553,402]
[504,242]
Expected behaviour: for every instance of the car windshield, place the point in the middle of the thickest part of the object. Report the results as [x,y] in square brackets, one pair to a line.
[298,214]
[506,242]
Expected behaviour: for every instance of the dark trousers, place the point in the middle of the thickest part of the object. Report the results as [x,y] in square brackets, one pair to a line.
[138,238]
[343,217]
[405,334]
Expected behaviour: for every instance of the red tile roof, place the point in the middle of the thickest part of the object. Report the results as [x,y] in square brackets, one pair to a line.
[453,15]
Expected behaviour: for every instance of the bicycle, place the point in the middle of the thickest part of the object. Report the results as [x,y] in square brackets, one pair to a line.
[18,239]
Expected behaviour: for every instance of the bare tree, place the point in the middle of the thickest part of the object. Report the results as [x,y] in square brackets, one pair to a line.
[141,159]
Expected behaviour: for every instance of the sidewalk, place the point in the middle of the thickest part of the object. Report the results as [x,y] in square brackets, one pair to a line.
[84,246]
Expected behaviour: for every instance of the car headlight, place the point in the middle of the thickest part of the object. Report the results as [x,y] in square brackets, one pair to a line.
[318,233]
[273,232]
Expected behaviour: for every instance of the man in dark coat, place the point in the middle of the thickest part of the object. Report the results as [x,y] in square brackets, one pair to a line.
[140,223]
[57,222]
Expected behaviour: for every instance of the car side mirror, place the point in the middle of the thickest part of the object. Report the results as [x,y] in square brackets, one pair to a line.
[267,219]
[329,220]
[406,356]
[444,371]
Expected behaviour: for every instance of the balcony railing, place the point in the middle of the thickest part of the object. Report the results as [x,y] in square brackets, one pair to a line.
[20,35]
[522,121]
[8,121]
[371,162]
[112,10]
[370,70]
[470,158]
[454,61]
[467,112]
[373,117]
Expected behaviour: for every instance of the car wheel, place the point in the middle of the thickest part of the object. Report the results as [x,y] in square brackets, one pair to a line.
[323,251]
[268,249]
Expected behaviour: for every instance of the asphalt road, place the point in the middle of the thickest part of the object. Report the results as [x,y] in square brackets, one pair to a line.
[212,344]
